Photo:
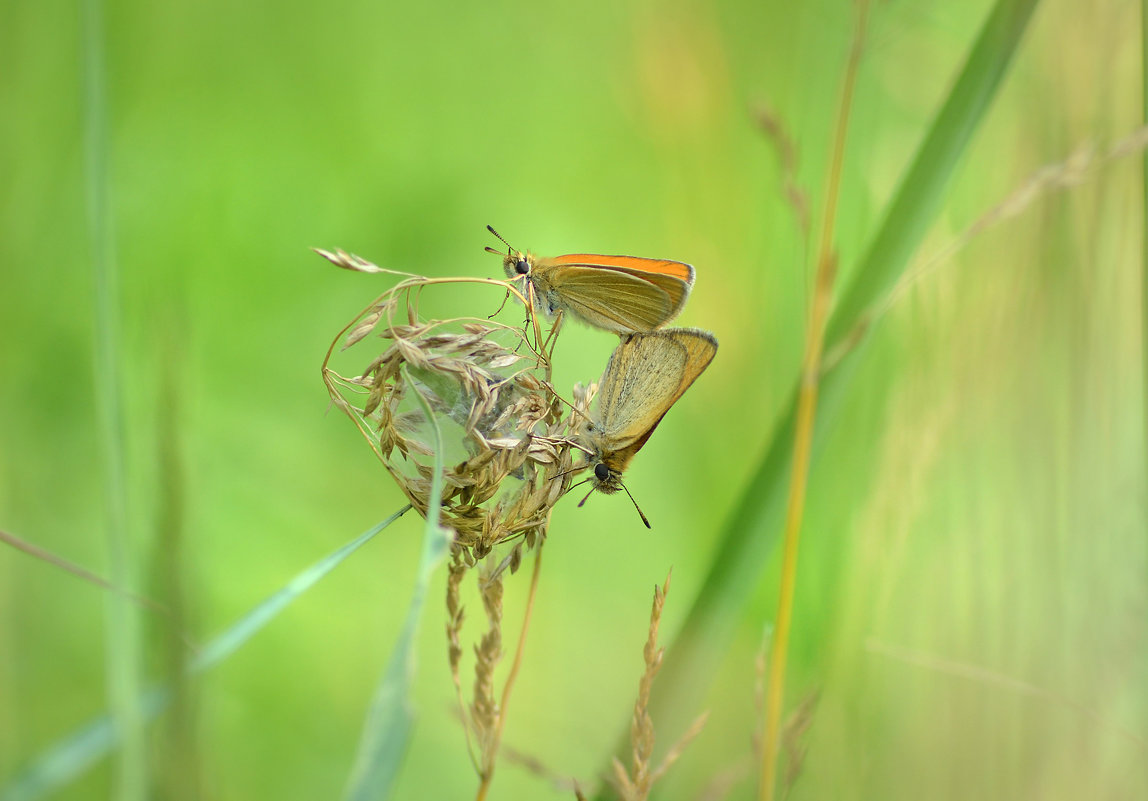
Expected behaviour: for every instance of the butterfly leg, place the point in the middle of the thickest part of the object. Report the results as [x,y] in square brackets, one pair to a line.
[501,306]
[532,321]
[552,337]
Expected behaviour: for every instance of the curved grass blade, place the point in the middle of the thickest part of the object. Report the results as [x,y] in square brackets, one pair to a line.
[70,757]
[230,641]
[387,730]
[752,532]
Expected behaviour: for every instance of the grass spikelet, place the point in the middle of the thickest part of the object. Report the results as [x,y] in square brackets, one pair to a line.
[559,782]
[635,785]
[455,613]
[488,653]
[455,616]
[772,125]
[793,739]
[641,727]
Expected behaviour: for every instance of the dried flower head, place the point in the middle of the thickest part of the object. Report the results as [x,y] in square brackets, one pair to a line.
[506,435]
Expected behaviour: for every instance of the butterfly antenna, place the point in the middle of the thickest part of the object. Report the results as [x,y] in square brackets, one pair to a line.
[639,508]
[641,514]
[491,229]
[568,472]
[588,494]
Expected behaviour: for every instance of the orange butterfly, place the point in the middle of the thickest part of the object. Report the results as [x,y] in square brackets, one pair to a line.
[623,294]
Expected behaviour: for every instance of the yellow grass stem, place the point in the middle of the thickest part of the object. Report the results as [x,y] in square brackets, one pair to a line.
[803,433]
[1143,215]
[488,774]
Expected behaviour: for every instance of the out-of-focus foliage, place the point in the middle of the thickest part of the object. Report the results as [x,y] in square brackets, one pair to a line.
[972,598]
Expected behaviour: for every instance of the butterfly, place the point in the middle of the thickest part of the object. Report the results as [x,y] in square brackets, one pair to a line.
[623,294]
[645,376]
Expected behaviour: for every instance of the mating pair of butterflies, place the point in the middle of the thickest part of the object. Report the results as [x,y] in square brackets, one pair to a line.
[649,370]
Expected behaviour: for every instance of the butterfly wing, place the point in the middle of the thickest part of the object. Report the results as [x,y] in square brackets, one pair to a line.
[675,278]
[671,269]
[645,376]
[609,299]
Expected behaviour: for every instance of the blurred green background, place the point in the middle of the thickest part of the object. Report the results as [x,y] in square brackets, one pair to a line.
[972,600]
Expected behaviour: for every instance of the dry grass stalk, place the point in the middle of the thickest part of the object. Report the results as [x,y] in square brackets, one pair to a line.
[805,415]
[775,131]
[484,708]
[793,739]
[490,751]
[759,671]
[454,612]
[536,767]
[678,748]
[636,784]
[509,451]
[455,617]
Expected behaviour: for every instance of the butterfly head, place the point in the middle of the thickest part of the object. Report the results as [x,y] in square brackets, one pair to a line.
[606,479]
[515,262]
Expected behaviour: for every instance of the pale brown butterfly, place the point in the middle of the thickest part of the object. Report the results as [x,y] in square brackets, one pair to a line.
[645,376]
[623,294]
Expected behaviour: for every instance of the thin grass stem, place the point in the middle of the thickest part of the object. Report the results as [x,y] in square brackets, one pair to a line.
[1143,217]
[806,411]
[36,552]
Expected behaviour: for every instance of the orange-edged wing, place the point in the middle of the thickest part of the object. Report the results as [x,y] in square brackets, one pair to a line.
[610,299]
[632,264]
[675,278]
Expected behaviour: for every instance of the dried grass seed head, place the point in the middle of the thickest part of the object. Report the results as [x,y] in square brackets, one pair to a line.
[505,435]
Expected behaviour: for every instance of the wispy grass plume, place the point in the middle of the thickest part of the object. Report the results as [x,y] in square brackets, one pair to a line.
[752,531]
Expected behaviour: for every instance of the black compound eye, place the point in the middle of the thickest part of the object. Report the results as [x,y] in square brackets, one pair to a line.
[601,472]
[522,267]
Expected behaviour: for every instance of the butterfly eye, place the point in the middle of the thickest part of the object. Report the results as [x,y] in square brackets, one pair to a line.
[522,267]
[601,472]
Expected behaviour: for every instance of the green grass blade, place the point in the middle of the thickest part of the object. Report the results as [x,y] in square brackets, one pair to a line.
[752,532]
[230,641]
[922,191]
[122,649]
[70,757]
[387,730]
[64,762]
